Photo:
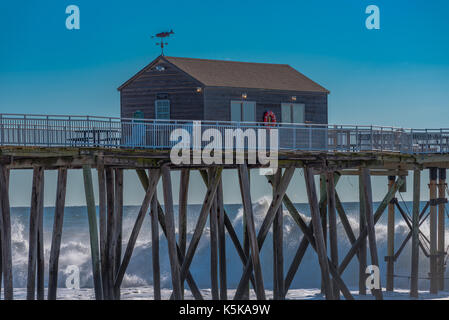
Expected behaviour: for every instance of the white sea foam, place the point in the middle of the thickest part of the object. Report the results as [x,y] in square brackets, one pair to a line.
[75,250]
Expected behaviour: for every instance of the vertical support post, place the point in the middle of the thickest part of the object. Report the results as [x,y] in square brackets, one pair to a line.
[363,243]
[367,192]
[333,237]
[110,229]
[182,213]
[245,237]
[118,208]
[33,233]
[57,233]
[318,232]
[171,238]
[103,226]
[252,237]
[155,248]
[323,214]
[415,234]
[278,254]
[5,224]
[433,173]
[441,226]
[222,242]
[390,240]
[40,243]
[213,231]
[94,247]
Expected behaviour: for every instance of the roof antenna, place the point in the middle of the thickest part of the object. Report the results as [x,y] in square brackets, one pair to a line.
[162,35]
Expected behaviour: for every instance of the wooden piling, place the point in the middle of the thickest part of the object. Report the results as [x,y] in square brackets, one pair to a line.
[118,219]
[390,240]
[155,248]
[102,206]
[415,234]
[363,245]
[171,238]
[110,229]
[245,235]
[182,213]
[151,189]
[40,245]
[213,232]
[333,236]
[222,242]
[441,226]
[36,199]
[433,228]
[318,232]
[278,252]
[5,224]
[57,233]
[93,232]
[252,237]
[368,197]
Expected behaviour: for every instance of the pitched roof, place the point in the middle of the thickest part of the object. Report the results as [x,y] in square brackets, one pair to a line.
[219,73]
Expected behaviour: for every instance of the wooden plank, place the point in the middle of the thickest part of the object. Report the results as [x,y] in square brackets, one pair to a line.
[57,233]
[368,196]
[40,243]
[155,248]
[213,231]
[318,231]
[93,232]
[222,243]
[333,237]
[5,224]
[248,208]
[118,219]
[102,205]
[152,185]
[33,231]
[415,234]
[171,237]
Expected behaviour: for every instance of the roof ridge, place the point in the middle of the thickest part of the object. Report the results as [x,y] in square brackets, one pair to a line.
[227,61]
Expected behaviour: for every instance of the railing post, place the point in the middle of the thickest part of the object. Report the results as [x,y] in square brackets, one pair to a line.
[310,137]
[372,139]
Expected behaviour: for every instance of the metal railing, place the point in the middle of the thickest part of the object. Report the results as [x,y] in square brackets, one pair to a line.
[88,131]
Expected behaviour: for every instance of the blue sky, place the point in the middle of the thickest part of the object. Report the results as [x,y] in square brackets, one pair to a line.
[398,75]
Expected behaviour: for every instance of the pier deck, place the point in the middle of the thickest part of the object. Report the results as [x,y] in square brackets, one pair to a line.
[112,145]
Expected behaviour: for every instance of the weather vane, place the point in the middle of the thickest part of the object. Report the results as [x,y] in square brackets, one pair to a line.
[163,35]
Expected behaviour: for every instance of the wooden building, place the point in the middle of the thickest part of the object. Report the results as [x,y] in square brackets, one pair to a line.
[199,89]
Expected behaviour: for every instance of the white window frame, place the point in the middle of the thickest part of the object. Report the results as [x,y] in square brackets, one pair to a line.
[290,106]
[157,113]
[242,105]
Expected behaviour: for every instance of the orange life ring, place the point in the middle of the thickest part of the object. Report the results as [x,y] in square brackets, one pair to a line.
[269,118]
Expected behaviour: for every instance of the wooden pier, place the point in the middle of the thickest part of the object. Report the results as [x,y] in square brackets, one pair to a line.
[153,166]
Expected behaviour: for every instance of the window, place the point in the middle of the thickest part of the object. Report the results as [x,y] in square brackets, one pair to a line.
[162,109]
[243,111]
[293,112]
